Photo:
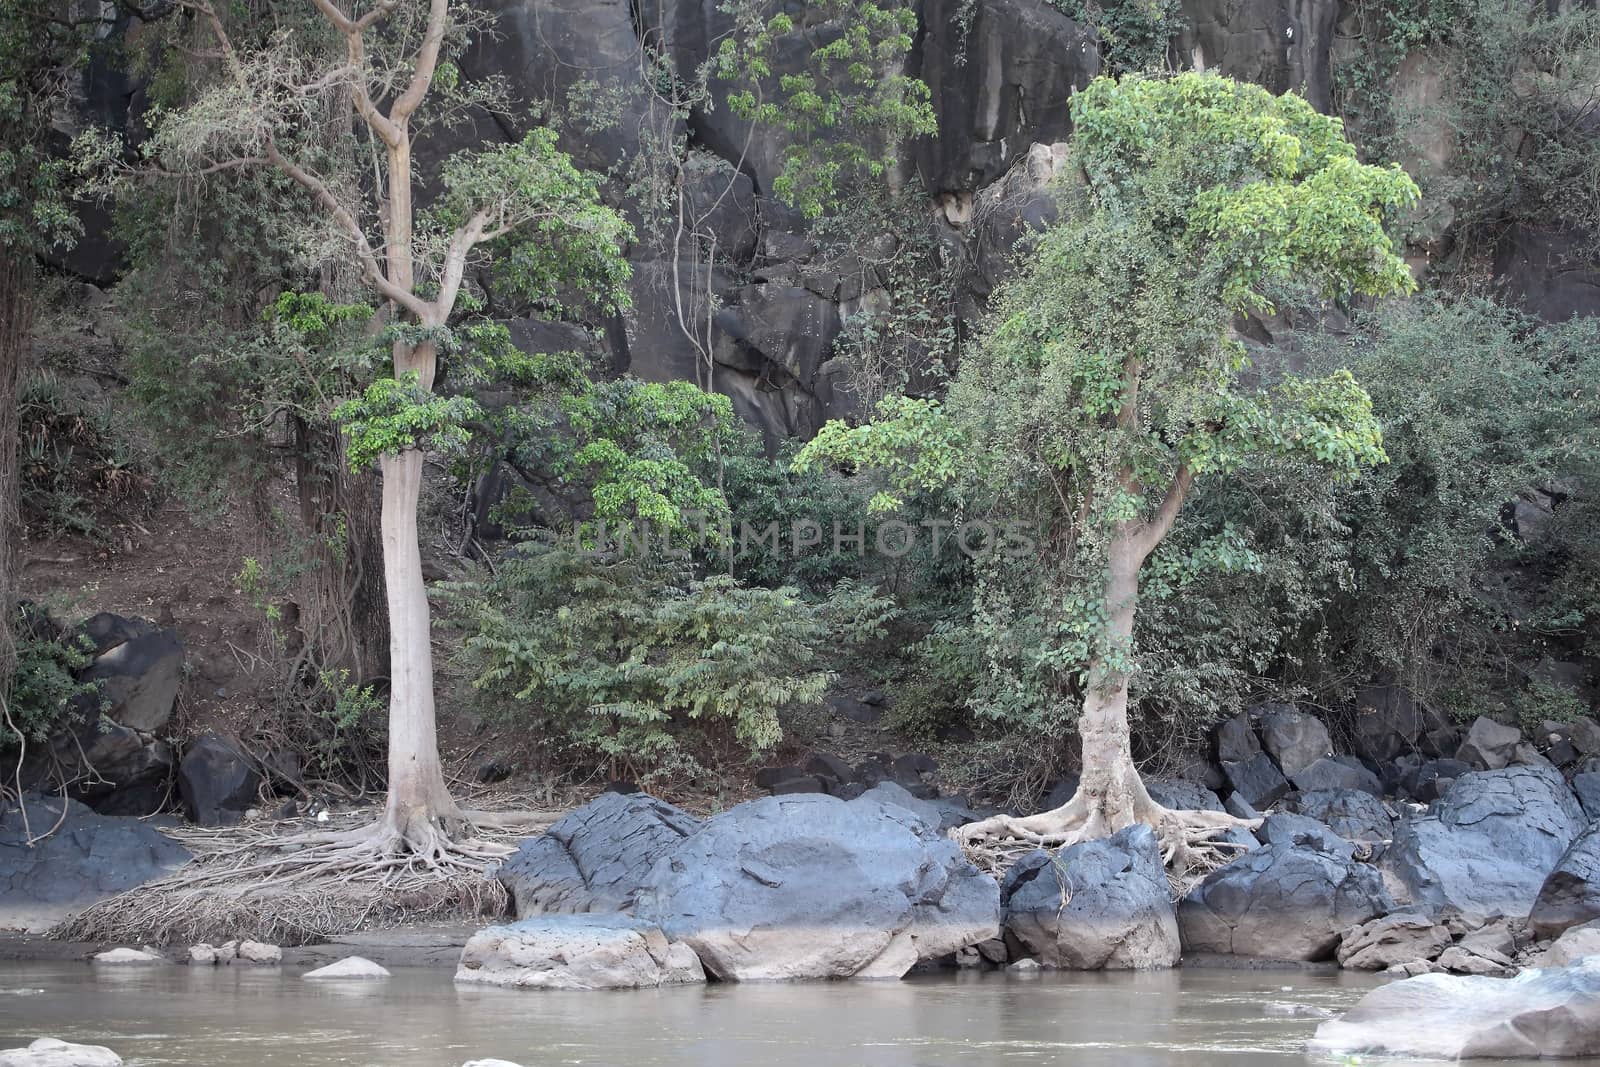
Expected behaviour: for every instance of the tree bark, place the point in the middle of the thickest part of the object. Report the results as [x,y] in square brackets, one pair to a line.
[420,807]
[16,307]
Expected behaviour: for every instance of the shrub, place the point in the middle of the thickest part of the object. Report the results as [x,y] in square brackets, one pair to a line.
[644,670]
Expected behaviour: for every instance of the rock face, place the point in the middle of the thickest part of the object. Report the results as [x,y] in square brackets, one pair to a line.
[1287,901]
[1280,46]
[358,967]
[595,858]
[217,781]
[576,952]
[1570,896]
[1539,1014]
[89,857]
[810,886]
[1488,844]
[49,1052]
[1392,940]
[1000,82]
[1099,905]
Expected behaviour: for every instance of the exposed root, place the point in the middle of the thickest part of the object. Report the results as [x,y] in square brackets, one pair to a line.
[292,888]
[1189,846]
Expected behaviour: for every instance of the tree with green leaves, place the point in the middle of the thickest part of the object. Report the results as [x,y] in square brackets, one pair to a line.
[1108,387]
[521,212]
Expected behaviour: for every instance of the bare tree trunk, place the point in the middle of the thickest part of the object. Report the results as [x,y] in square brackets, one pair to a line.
[420,808]
[16,308]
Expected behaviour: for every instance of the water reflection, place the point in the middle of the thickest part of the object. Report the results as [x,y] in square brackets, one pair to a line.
[261,1017]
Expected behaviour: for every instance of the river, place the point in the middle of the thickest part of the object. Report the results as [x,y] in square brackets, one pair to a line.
[266,1017]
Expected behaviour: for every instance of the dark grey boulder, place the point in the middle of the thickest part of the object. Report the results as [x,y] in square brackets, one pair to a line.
[88,857]
[1337,772]
[1237,741]
[1547,269]
[1489,745]
[138,669]
[1293,738]
[1388,723]
[1538,1014]
[1182,795]
[1488,844]
[1354,814]
[942,813]
[1287,901]
[1434,778]
[1287,828]
[595,858]
[1570,896]
[1257,780]
[814,887]
[1587,788]
[1098,905]
[218,781]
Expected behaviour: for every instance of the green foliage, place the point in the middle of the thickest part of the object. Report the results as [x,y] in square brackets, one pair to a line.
[397,415]
[1487,99]
[548,231]
[44,693]
[644,670]
[846,109]
[1134,34]
[348,716]
[39,54]
[1107,378]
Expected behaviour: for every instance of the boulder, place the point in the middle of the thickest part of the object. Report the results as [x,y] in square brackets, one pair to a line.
[260,952]
[593,951]
[1549,271]
[1285,901]
[1587,788]
[1570,947]
[203,954]
[358,967]
[218,781]
[1388,723]
[1337,772]
[814,887]
[1098,905]
[1287,828]
[139,668]
[1570,895]
[1294,739]
[1434,778]
[89,857]
[1237,741]
[1460,959]
[1354,814]
[1392,940]
[594,858]
[49,1052]
[1489,745]
[1257,780]
[942,813]
[130,957]
[1488,844]
[1539,1014]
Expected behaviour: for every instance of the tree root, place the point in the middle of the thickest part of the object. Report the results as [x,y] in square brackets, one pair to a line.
[1188,839]
[246,882]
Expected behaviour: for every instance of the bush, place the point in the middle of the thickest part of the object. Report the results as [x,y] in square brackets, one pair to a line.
[646,671]
[44,693]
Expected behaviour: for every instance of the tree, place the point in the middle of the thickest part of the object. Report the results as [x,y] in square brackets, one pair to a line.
[522,210]
[39,50]
[1107,383]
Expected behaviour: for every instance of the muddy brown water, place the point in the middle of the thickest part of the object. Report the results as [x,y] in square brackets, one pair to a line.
[267,1017]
